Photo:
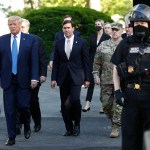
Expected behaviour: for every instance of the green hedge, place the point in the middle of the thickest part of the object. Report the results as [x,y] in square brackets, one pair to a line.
[45,22]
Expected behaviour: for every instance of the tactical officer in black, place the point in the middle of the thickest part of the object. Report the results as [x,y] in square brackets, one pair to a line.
[131,77]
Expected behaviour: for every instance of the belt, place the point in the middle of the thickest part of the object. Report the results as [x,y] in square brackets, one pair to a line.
[138,86]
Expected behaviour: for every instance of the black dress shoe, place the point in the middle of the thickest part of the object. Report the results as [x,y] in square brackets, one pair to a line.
[101,112]
[10,142]
[76,130]
[27,134]
[68,133]
[37,128]
[85,110]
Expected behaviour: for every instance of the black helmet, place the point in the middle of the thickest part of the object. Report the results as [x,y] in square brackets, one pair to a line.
[140,12]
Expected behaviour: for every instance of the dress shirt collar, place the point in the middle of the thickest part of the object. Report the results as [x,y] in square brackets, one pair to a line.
[17,35]
[71,39]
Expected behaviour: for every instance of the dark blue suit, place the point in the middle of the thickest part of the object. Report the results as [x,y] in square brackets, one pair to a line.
[59,35]
[16,88]
[70,75]
[78,63]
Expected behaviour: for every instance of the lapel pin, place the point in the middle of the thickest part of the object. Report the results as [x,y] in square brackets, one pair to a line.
[76,41]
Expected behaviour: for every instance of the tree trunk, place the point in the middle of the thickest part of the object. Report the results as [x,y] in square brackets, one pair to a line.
[87,3]
[94,4]
[31,3]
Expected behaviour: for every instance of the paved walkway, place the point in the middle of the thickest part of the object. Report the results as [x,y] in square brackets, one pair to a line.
[95,127]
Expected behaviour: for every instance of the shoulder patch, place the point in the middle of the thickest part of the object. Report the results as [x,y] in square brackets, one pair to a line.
[134,50]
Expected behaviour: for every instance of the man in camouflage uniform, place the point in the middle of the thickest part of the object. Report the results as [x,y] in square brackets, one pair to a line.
[102,72]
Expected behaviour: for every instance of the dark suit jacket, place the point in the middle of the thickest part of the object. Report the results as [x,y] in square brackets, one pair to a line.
[78,63]
[27,66]
[94,45]
[59,35]
[43,61]
[124,35]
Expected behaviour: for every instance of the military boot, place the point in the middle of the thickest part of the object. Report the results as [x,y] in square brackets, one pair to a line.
[114,132]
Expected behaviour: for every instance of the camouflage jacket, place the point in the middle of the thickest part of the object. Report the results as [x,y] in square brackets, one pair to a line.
[102,66]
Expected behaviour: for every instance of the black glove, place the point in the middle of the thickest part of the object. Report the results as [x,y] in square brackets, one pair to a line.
[119,97]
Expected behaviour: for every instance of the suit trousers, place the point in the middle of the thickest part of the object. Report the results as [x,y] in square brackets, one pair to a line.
[35,106]
[70,102]
[16,97]
[34,109]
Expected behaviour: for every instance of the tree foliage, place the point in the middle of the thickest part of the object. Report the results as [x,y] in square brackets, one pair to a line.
[112,7]
[65,3]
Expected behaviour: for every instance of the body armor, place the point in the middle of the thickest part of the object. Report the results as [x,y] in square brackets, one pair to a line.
[136,68]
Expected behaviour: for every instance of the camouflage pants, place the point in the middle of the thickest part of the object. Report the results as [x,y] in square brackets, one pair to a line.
[111,109]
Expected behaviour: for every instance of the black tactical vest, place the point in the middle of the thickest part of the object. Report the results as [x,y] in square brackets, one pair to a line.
[138,63]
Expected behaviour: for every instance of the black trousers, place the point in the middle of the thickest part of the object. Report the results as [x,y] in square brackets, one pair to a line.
[135,118]
[35,106]
[70,102]
[34,109]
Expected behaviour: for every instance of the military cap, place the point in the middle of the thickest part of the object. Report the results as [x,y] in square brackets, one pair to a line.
[116,26]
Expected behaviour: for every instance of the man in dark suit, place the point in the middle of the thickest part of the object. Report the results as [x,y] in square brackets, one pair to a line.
[128,31]
[128,27]
[71,69]
[34,102]
[59,35]
[19,72]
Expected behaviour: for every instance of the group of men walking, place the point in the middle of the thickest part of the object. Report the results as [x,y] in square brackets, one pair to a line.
[124,85]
